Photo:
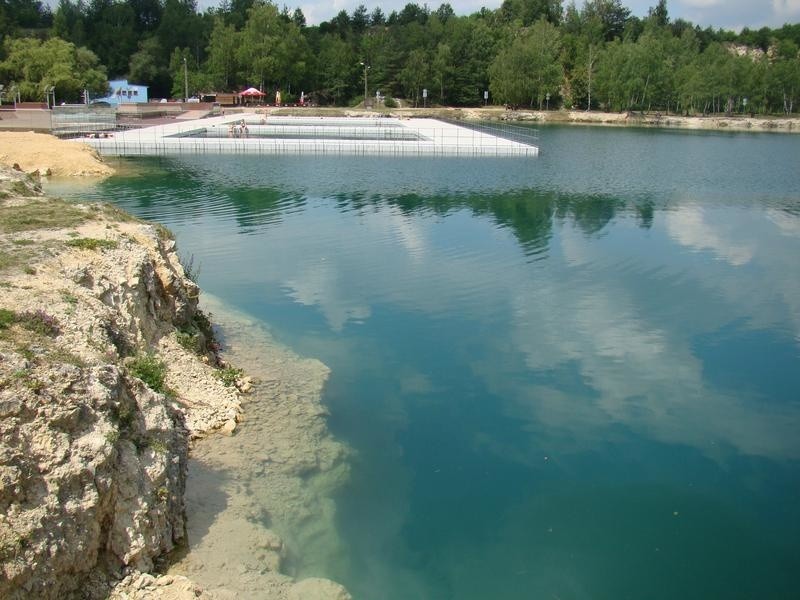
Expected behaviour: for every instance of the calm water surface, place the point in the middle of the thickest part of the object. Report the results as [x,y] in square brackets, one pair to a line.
[569,377]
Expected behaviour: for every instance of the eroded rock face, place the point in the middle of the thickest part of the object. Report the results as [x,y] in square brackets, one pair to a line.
[93,471]
[92,461]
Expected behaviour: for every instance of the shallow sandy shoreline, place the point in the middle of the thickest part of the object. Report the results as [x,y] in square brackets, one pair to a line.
[259,507]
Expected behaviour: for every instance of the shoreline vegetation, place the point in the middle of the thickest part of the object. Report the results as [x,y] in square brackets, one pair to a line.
[543,54]
[113,389]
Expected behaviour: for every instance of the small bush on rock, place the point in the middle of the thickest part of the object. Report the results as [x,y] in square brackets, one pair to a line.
[229,375]
[39,322]
[7,317]
[150,370]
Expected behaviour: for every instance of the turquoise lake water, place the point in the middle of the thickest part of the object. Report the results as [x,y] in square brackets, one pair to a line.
[576,376]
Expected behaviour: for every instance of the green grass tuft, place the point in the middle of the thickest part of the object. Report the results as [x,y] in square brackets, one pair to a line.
[40,215]
[7,317]
[9,260]
[92,244]
[229,375]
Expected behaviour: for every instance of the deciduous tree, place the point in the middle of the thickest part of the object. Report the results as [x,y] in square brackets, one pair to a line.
[34,66]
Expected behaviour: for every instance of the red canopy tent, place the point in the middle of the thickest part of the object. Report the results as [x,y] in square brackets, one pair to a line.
[251,94]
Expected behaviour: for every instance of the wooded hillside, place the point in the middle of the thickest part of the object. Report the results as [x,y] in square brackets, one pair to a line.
[536,53]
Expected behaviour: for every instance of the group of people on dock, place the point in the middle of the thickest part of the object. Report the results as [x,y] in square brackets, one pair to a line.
[238,130]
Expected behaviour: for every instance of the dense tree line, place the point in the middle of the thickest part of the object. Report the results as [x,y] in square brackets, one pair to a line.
[531,53]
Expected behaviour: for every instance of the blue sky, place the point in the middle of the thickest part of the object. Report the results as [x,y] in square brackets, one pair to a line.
[729,14]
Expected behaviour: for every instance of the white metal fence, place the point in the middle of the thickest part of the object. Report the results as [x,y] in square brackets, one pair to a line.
[79,119]
[353,136]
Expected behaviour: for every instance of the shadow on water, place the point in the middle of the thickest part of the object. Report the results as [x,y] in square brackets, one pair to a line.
[206,493]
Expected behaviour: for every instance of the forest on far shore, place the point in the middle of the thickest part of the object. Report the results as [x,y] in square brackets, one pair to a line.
[527,53]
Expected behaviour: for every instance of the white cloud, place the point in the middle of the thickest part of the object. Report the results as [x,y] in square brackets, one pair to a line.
[702,3]
[320,285]
[629,367]
[787,8]
[639,375]
[788,224]
[687,225]
[728,14]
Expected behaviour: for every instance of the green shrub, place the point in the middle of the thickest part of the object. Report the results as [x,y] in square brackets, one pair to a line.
[191,271]
[158,446]
[197,335]
[7,317]
[150,370]
[92,244]
[389,102]
[69,298]
[39,322]
[189,341]
[229,375]
[163,232]
[124,416]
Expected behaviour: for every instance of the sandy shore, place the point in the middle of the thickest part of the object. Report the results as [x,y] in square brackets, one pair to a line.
[259,507]
[50,155]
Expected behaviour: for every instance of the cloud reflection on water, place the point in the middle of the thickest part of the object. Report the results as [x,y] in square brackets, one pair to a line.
[639,368]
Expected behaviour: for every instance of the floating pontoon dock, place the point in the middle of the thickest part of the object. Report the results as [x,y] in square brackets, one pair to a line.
[369,136]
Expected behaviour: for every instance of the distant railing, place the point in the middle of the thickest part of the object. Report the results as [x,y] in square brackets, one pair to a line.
[507,131]
[343,136]
[79,119]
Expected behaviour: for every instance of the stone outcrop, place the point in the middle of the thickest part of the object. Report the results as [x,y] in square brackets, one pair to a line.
[93,474]
[92,460]
[108,371]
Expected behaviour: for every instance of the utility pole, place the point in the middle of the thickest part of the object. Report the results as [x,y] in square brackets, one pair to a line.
[366,66]
[589,73]
[185,81]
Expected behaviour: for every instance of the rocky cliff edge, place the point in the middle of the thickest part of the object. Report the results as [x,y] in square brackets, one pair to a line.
[107,371]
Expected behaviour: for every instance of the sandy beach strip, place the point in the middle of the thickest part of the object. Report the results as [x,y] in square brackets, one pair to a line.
[50,156]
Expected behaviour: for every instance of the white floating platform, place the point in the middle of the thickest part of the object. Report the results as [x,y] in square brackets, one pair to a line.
[268,135]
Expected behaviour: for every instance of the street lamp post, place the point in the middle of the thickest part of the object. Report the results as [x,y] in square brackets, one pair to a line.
[366,67]
[185,81]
